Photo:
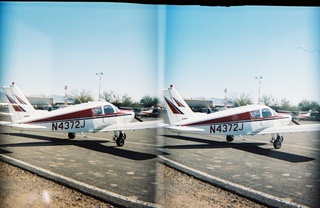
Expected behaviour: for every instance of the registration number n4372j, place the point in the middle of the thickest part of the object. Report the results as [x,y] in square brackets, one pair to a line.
[66,125]
[221,128]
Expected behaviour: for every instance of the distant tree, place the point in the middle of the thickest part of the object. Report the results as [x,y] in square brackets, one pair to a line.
[268,100]
[82,97]
[286,105]
[148,101]
[306,105]
[111,96]
[242,100]
[126,101]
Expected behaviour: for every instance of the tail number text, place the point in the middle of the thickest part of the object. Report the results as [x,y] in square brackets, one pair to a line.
[66,125]
[226,128]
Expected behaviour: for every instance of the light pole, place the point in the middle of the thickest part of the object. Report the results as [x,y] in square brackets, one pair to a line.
[66,95]
[225,98]
[260,77]
[100,74]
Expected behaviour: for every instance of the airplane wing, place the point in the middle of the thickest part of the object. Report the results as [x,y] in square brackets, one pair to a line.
[183,129]
[22,126]
[133,126]
[289,129]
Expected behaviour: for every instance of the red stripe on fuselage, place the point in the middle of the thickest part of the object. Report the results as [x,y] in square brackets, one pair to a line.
[242,117]
[173,108]
[178,103]
[68,116]
[83,114]
[21,101]
[226,119]
[18,108]
[12,101]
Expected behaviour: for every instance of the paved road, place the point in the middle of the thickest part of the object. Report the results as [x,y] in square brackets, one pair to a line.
[291,173]
[129,171]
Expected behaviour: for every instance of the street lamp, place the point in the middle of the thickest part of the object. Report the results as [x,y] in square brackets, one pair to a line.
[225,98]
[66,95]
[100,74]
[260,77]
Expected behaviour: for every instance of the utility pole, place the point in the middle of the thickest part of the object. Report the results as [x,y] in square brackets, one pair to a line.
[260,77]
[100,74]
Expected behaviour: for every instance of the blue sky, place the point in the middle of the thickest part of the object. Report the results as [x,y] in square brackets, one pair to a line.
[143,48]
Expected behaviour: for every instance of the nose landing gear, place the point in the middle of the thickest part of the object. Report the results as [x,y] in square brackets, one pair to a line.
[277,141]
[119,137]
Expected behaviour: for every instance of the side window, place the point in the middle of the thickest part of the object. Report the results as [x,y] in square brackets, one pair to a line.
[97,111]
[255,114]
[266,112]
[108,109]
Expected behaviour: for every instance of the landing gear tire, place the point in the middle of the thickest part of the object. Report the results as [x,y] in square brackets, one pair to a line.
[230,138]
[120,140]
[71,135]
[278,142]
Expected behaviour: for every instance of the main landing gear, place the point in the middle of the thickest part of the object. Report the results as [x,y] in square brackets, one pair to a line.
[119,137]
[276,140]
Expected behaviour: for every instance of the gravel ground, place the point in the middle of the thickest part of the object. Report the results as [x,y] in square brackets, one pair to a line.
[20,188]
[176,189]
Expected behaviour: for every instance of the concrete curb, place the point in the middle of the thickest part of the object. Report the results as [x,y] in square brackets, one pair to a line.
[260,197]
[93,191]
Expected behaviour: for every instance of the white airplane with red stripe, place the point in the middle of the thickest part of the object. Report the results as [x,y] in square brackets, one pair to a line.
[244,120]
[92,117]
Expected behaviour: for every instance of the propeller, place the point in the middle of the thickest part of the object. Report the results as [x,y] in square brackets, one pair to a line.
[138,119]
[294,121]
[135,115]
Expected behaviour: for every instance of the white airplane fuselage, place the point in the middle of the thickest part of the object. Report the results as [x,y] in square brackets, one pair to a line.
[87,117]
[238,121]
[100,116]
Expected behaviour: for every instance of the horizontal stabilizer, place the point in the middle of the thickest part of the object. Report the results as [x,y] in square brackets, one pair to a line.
[184,129]
[4,123]
[6,114]
[290,129]
[133,126]
[22,126]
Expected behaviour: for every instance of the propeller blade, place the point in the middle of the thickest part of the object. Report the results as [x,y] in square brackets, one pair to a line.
[295,121]
[139,119]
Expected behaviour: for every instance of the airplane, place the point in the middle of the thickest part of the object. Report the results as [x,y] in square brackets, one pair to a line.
[152,112]
[92,117]
[243,120]
[304,115]
[299,115]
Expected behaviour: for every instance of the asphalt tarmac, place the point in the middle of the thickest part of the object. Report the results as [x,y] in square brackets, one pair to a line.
[290,173]
[129,171]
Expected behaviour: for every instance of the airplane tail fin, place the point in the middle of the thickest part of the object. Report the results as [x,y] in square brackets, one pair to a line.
[177,108]
[19,106]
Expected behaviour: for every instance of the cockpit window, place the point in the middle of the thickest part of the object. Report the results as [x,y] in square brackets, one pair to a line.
[97,110]
[108,109]
[255,114]
[266,112]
